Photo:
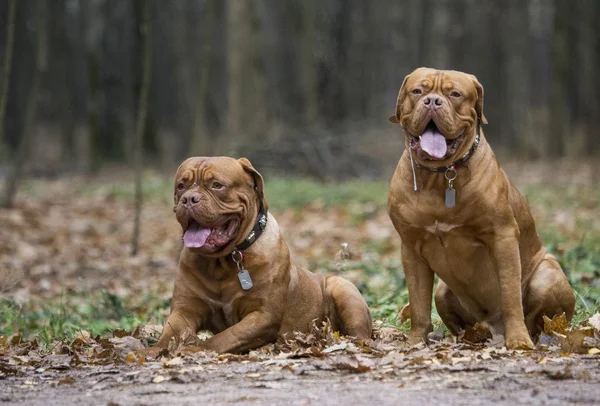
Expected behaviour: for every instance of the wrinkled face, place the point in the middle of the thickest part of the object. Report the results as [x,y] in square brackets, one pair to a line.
[439,111]
[216,199]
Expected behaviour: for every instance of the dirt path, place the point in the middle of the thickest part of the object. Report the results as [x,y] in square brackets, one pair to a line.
[330,381]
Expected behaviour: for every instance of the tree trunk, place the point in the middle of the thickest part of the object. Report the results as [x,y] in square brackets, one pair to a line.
[559,112]
[30,114]
[516,53]
[201,141]
[246,82]
[10,35]
[138,144]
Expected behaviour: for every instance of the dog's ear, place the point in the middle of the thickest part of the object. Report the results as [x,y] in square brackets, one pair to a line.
[479,103]
[259,184]
[401,94]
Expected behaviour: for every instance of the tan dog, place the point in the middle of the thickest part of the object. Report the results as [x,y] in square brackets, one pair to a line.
[235,276]
[461,218]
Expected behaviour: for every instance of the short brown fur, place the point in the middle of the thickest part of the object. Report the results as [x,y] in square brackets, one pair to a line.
[486,251]
[284,297]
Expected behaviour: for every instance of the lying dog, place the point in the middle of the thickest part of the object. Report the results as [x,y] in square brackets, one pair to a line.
[460,217]
[235,275]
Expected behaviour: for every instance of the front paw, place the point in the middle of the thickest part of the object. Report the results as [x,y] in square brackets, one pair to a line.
[519,342]
[152,352]
[191,350]
[416,338]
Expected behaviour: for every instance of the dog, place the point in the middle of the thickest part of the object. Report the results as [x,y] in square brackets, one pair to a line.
[460,218]
[236,277]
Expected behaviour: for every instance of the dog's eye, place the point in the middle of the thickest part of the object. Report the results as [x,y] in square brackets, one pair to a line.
[455,94]
[180,186]
[217,185]
[417,91]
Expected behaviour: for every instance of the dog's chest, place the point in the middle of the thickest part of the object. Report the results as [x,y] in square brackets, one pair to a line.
[440,228]
[223,312]
[221,297]
[446,239]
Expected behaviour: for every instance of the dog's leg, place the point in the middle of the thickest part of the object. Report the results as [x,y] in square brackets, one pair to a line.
[351,309]
[187,316]
[504,246]
[253,331]
[453,314]
[549,294]
[180,322]
[419,278]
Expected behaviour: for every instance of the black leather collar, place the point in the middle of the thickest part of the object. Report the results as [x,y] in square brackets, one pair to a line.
[259,226]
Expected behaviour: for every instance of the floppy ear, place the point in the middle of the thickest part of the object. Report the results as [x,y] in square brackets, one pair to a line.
[479,103]
[259,184]
[401,94]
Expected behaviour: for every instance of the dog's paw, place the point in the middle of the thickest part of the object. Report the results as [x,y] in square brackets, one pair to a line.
[522,342]
[416,339]
[191,350]
[152,352]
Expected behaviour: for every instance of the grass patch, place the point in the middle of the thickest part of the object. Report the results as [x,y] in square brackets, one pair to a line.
[284,193]
[99,314]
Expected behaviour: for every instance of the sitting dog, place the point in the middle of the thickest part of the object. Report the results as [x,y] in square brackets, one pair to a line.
[236,277]
[460,218]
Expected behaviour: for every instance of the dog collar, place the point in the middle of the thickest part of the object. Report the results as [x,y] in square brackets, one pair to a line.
[237,255]
[259,226]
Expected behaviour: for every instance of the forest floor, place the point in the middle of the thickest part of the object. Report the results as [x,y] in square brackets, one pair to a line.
[74,304]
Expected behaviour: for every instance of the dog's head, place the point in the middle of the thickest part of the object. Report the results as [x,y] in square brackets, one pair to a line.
[439,111]
[217,200]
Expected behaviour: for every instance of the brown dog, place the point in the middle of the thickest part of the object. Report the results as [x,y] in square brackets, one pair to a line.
[461,218]
[235,276]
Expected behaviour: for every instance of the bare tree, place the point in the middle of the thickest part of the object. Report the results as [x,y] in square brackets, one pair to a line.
[141,124]
[201,140]
[41,63]
[10,35]
[246,102]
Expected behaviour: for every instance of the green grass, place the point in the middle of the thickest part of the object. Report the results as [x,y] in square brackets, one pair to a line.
[282,193]
[298,193]
[99,314]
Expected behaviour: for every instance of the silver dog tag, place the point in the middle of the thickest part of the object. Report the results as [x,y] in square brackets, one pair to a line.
[450,197]
[245,279]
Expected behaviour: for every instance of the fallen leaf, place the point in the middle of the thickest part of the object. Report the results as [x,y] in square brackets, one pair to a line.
[594,321]
[336,347]
[546,340]
[173,362]
[83,337]
[558,324]
[479,333]
[404,314]
[574,341]
[158,379]
[125,345]
[353,364]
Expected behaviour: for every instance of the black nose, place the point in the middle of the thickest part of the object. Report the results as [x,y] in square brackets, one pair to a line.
[433,101]
[191,199]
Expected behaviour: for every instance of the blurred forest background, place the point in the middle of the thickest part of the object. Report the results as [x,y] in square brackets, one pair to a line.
[92,91]
[303,86]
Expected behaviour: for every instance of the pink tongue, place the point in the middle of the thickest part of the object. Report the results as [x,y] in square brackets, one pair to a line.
[195,236]
[434,143]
